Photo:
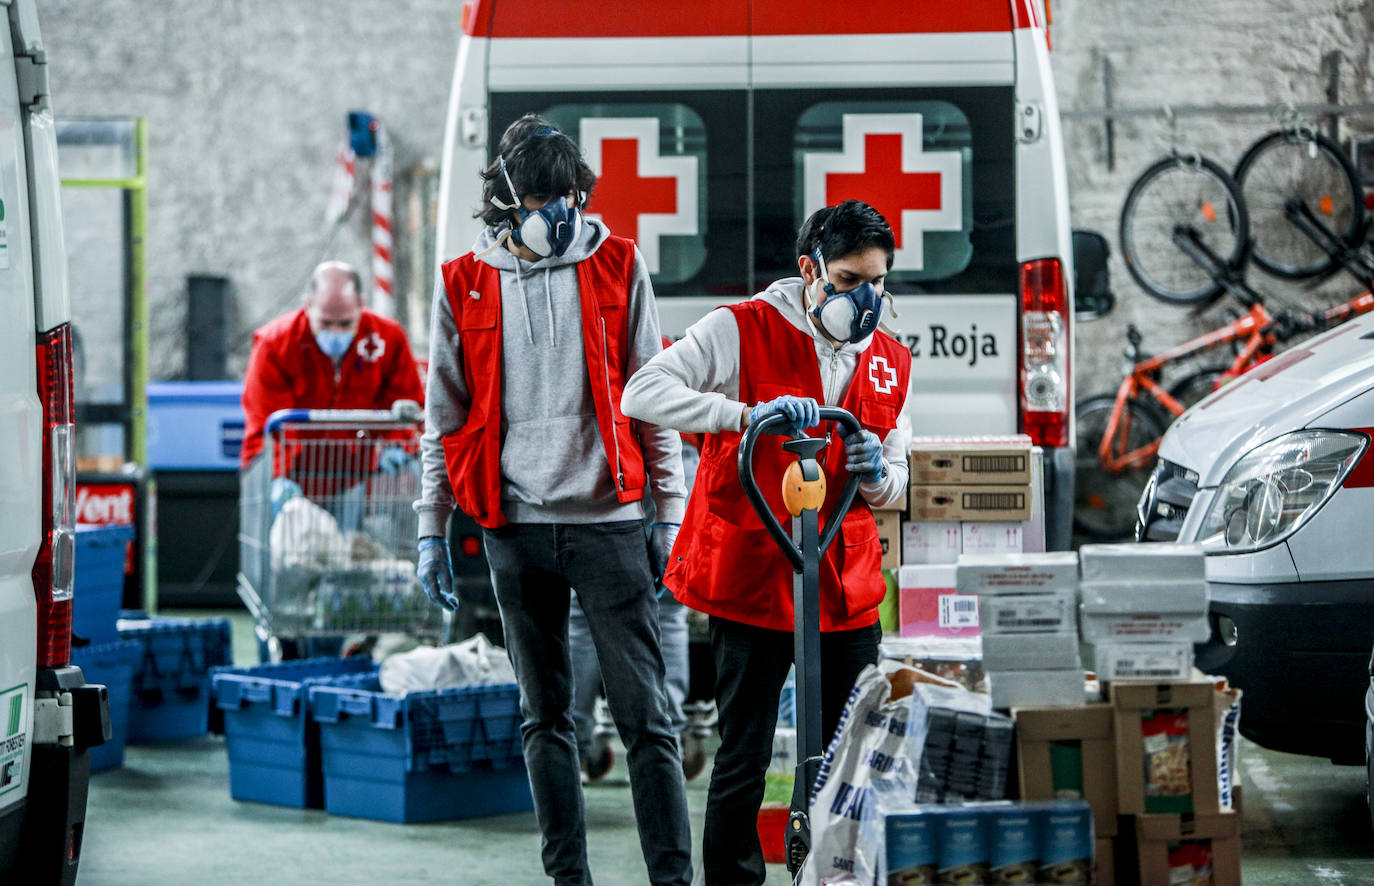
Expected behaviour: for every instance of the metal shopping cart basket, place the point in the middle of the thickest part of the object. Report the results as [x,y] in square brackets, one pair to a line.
[327,532]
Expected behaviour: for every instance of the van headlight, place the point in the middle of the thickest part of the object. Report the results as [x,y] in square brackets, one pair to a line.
[1276,488]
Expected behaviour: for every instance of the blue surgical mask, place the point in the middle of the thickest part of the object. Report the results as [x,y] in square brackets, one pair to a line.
[333,343]
[845,316]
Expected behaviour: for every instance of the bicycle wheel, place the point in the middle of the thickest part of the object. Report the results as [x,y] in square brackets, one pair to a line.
[1175,192]
[1105,502]
[1306,165]
[1195,386]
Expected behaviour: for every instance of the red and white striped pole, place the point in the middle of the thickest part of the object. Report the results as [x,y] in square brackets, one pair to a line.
[383,275]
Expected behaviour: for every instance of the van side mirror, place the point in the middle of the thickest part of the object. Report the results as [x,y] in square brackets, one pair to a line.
[1093,298]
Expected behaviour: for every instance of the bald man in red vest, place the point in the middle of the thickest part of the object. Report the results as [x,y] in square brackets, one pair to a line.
[803,342]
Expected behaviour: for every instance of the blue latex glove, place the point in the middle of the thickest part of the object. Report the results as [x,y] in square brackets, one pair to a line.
[281,491]
[802,412]
[661,539]
[393,460]
[864,452]
[436,575]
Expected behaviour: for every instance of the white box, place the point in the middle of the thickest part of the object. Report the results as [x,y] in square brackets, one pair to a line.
[930,542]
[1033,534]
[1149,627]
[1143,661]
[1183,595]
[1163,562]
[1018,573]
[1024,689]
[1052,613]
[1031,652]
[991,538]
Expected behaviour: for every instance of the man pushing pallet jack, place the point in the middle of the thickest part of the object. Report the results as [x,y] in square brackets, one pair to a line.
[795,351]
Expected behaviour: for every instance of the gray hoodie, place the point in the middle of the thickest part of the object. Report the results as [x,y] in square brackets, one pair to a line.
[553,464]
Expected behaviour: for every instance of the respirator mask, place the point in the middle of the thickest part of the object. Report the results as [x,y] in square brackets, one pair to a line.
[844,316]
[549,230]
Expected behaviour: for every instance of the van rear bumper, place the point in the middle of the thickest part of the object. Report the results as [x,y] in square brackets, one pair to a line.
[1059,474]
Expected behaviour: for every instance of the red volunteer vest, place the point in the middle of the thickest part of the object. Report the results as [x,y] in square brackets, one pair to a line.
[725,563]
[472,454]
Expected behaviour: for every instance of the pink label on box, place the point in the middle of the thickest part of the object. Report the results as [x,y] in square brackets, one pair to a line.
[937,612]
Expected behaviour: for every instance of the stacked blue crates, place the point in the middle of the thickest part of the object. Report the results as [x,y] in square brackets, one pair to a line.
[434,755]
[273,744]
[97,588]
[171,691]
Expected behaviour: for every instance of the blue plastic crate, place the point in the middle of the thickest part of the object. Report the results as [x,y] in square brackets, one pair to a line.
[171,691]
[274,746]
[98,583]
[113,665]
[195,425]
[425,756]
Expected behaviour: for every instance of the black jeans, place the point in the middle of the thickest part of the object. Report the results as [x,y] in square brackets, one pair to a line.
[533,568]
[751,666]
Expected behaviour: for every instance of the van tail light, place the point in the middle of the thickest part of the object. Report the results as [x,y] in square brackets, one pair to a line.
[52,571]
[1045,352]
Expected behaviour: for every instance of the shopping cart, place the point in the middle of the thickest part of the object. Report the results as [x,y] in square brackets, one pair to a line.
[327,532]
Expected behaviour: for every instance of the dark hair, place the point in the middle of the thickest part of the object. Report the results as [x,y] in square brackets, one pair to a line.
[540,159]
[850,227]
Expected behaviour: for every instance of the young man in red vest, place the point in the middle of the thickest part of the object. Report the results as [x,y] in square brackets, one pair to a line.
[804,341]
[534,334]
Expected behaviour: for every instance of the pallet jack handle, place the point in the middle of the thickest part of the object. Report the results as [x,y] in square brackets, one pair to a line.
[803,494]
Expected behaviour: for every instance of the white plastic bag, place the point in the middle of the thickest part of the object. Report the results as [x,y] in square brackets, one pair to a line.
[869,744]
[474,662]
[306,535]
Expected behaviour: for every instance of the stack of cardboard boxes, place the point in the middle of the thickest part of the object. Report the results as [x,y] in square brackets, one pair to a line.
[1027,607]
[1156,765]
[967,495]
[1144,606]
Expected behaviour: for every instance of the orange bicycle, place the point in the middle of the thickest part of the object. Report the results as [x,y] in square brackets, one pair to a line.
[1185,238]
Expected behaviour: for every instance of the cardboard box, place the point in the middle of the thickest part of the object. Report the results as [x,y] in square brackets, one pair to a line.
[1169,845]
[930,542]
[1188,595]
[1166,746]
[1104,862]
[1156,627]
[991,538]
[1018,573]
[953,502]
[1051,613]
[971,461]
[1013,689]
[1069,753]
[1150,662]
[890,537]
[1031,652]
[1162,562]
[929,605]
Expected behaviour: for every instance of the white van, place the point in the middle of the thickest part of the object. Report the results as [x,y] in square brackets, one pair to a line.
[1273,475]
[49,716]
[715,129]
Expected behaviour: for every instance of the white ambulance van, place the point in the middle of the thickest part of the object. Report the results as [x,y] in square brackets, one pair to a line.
[1273,475]
[49,716]
[717,128]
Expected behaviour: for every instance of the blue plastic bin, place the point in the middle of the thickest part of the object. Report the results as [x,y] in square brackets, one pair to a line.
[171,691]
[195,425]
[425,756]
[113,665]
[274,746]
[98,582]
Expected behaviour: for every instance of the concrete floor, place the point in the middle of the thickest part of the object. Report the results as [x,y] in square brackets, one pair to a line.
[166,818]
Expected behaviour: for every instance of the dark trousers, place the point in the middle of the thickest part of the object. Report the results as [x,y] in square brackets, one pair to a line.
[751,666]
[533,568]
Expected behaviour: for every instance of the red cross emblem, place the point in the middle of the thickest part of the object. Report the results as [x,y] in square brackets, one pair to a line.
[639,193]
[372,348]
[884,377]
[883,164]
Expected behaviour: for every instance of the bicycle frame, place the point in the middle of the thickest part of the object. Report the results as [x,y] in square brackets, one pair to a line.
[1256,330]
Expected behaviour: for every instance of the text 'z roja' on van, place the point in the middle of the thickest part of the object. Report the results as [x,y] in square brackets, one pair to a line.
[715,129]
